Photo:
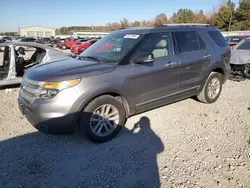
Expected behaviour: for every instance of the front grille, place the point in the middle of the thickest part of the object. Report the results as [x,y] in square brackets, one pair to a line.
[30,89]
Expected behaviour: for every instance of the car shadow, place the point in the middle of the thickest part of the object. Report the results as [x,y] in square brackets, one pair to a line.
[42,160]
[13,86]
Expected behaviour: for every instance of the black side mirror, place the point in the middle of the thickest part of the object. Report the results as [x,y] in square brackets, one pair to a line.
[145,58]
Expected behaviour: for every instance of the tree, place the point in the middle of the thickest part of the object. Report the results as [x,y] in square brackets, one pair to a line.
[243,14]
[185,16]
[161,19]
[136,24]
[124,23]
[200,17]
[226,17]
[174,18]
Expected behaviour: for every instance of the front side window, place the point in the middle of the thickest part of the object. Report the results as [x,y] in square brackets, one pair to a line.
[113,47]
[157,44]
[187,41]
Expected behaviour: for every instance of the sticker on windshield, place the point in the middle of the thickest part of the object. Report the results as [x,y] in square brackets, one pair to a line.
[130,36]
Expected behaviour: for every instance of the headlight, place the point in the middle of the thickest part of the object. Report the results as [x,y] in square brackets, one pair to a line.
[51,89]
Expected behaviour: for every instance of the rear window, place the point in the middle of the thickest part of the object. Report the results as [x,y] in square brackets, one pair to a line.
[218,38]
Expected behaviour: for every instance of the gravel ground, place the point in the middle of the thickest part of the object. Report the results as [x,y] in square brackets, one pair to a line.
[185,144]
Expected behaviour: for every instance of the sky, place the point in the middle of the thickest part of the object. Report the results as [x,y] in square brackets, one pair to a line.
[56,13]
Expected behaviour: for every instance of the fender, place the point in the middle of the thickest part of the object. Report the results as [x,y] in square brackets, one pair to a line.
[95,92]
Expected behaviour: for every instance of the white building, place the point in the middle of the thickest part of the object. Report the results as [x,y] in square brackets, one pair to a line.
[36,31]
[88,33]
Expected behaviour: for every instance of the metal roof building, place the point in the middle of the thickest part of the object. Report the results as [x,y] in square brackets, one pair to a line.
[83,33]
[36,31]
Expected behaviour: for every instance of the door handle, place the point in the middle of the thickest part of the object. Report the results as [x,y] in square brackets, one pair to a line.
[170,64]
[207,56]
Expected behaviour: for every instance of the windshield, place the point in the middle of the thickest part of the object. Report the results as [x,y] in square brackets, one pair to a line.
[113,47]
[243,45]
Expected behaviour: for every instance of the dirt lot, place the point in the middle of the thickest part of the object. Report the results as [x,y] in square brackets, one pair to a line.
[186,144]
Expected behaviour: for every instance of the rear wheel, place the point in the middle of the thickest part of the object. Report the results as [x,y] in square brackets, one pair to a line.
[54,45]
[212,88]
[103,118]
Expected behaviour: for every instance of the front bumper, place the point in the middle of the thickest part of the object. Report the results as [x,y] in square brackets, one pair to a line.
[49,116]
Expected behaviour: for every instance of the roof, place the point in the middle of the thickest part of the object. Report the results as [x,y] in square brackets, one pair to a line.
[27,44]
[145,30]
[90,31]
[37,26]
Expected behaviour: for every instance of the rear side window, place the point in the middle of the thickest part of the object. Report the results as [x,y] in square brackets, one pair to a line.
[218,38]
[189,41]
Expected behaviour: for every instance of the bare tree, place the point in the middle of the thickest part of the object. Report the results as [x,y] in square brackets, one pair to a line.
[161,19]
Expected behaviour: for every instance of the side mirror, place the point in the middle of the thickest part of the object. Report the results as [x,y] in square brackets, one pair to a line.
[145,58]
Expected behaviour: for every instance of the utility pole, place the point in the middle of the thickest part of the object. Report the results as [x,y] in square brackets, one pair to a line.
[18,28]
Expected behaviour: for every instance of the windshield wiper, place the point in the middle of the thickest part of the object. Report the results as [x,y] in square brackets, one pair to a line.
[90,57]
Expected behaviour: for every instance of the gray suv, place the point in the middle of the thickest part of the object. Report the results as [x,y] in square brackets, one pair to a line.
[127,72]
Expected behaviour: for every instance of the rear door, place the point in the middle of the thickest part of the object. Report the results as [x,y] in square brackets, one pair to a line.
[152,83]
[195,58]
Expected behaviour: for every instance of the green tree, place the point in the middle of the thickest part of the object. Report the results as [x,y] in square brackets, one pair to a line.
[161,19]
[243,14]
[184,16]
[226,19]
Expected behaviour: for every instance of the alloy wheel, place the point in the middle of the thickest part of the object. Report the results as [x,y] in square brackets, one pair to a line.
[104,120]
[214,87]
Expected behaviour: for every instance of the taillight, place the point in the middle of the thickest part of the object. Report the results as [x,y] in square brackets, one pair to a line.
[229,51]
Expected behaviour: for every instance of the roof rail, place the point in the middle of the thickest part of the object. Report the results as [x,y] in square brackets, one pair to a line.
[186,24]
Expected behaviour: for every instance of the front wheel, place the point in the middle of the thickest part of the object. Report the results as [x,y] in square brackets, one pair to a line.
[103,118]
[247,71]
[212,88]
[64,47]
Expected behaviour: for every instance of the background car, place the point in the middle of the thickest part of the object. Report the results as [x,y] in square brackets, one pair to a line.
[78,49]
[3,40]
[44,40]
[17,57]
[28,39]
[233,40]
[240,58]
[70,43]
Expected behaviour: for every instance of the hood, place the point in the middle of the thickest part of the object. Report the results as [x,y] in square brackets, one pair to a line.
[239,57]
[67,70]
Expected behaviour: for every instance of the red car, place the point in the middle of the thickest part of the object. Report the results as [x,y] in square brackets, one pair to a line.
[233,40]
[70,43]
[78,49]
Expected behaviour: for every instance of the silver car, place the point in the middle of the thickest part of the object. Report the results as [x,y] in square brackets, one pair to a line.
[125,73]
[17,57]
[240,58]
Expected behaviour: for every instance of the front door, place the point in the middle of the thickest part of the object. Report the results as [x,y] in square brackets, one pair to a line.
[151,83]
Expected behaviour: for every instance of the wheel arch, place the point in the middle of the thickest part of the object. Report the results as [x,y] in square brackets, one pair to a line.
[95,94]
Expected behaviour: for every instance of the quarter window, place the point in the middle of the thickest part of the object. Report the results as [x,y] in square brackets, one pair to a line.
[218,38]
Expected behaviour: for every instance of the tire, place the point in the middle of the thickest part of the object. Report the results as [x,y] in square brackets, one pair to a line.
[54,45]
[64,47]
[203,96]
[246,72]
[85,119]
